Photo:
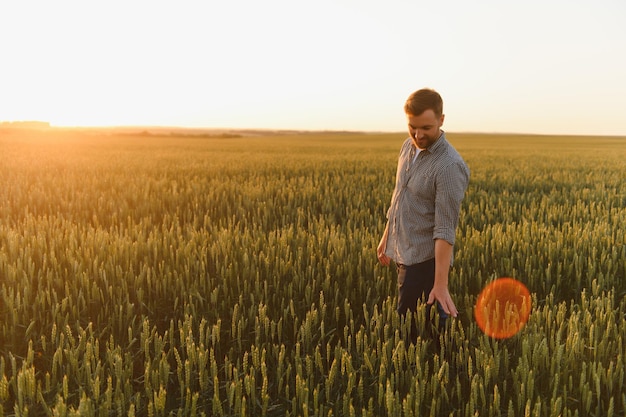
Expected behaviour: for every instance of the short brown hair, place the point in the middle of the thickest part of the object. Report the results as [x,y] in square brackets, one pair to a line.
[423,100]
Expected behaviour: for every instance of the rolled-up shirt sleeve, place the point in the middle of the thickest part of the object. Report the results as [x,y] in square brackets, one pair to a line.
[451,184]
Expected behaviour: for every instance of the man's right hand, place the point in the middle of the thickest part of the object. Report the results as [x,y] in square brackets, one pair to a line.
[380,252]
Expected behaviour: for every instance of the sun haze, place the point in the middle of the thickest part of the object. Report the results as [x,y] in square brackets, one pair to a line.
[532,67]
[502,308]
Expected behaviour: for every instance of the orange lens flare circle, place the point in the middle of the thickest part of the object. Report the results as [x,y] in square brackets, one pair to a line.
[502,308]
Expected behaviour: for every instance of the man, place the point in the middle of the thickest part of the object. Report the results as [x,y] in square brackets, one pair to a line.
[431,180]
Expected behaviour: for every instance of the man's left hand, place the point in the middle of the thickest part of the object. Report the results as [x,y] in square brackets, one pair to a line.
[442,296]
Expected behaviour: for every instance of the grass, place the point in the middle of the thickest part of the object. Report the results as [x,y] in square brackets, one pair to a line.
[184,275]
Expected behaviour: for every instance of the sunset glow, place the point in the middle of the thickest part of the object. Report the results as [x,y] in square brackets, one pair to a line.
[532,67]
[502,308]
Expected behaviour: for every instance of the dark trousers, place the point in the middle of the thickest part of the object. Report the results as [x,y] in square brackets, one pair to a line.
[414,284]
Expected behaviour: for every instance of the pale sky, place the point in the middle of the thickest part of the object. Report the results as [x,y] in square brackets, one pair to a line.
[533,66]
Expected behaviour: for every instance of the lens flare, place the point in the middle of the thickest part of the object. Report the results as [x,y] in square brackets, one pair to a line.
[502,308]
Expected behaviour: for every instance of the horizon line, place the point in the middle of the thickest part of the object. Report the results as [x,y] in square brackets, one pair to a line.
[42,126]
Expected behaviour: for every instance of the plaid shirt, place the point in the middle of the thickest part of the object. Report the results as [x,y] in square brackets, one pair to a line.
[426,201]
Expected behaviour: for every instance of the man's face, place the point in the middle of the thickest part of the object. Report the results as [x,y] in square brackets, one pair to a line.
[425,128]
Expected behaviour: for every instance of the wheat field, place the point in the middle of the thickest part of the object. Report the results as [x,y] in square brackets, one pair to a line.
[181,275]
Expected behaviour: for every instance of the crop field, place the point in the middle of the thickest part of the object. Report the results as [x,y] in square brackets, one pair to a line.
[165,275]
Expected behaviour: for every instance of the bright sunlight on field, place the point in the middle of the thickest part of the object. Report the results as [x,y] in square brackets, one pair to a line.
[181,275]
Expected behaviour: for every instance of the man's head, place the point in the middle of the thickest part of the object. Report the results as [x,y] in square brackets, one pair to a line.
[424,113]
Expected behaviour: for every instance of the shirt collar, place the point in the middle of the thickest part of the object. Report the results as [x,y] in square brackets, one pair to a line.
[438,143]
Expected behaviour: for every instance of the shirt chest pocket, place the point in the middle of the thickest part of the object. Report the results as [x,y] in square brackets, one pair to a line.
[422,186]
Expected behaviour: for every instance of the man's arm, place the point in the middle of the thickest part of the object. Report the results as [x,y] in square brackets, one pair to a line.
[451,187]
[440,293]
